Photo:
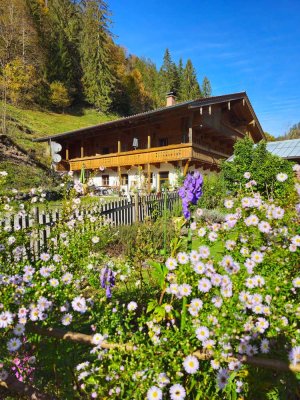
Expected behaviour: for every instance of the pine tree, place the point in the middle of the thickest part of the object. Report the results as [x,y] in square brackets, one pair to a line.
[62,27]
[206,87]
[97,79]
[169,81]
[189,89]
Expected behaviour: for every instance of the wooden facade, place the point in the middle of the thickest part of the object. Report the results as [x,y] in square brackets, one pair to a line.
[194,134]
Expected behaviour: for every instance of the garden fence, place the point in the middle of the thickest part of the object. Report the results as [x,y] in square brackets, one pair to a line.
[13,385]
[121,212]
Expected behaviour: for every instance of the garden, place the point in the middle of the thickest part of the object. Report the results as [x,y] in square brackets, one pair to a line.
[201,302]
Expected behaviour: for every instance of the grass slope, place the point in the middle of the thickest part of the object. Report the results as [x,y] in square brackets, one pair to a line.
[26,124]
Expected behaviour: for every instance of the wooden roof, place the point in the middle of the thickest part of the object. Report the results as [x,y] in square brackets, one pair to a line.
[148,115]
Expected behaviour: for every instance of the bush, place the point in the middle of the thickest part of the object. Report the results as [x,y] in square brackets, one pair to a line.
[262,167]
[214,191]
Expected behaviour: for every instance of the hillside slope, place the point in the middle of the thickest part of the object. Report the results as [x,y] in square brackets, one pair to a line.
[24,125]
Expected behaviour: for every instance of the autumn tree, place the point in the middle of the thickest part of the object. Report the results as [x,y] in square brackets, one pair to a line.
[59,95]
[18,81]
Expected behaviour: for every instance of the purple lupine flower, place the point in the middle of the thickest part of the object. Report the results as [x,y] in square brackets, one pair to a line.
[190,192]
[107,280]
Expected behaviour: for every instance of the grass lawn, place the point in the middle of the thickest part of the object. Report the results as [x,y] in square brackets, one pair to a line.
[44,123]
[23,125]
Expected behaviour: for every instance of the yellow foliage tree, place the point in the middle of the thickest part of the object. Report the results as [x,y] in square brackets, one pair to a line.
[59,96]
[18,82]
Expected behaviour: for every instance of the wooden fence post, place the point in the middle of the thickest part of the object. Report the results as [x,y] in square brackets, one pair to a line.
[136,217]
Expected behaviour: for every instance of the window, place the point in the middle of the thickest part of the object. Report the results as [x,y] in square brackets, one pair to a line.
[105,150]
[164,178]
[151,178]
[163,142]
[185,138]
[124,179]
[105,180]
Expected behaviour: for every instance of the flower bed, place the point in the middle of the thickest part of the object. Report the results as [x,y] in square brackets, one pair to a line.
[202,322]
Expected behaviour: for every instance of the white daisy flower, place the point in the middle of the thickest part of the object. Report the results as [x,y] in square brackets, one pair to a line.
[177,392]
[66,319]
[202,333]
[97,339]
[182,258]
[19,330]
[132,306]
[171,263]
[6,319]
[14,344]
[294,355]
[191,364]
[154,393]
[228,203]
[264,346]
[79,304]
[296,282]
[204,285]
[281,177]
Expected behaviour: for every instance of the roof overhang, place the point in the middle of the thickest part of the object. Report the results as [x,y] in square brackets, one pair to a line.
[149,115]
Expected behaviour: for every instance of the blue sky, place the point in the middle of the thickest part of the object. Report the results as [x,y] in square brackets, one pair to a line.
[240,45]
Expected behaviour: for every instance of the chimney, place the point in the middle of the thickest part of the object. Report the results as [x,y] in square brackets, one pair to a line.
[171,99]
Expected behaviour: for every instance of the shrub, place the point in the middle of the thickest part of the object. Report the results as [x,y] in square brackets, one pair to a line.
[262,167]
[214,191]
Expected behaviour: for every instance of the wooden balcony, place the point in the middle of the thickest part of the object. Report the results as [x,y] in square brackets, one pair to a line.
[155,155]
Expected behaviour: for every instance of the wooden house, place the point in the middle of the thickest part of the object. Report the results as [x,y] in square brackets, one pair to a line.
[151,147]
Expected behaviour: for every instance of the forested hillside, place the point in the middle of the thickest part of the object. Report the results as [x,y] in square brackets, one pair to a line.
[60,69]
[57,53]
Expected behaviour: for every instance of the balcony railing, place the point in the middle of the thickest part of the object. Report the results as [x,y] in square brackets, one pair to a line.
[155,155]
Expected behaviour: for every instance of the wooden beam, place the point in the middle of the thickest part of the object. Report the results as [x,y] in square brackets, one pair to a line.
[67,151]
[81,149]
[149,167]
[186,167]
[190,127]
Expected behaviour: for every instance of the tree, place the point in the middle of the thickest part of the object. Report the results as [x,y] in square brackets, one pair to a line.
[18,82]
[19,47]
[190,88]
[168,76]
[294,132]
[269,137]
[98,79]
[206,87]
[59,95]
[137,94]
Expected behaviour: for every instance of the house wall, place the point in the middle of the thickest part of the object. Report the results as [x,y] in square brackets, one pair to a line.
[137,178]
